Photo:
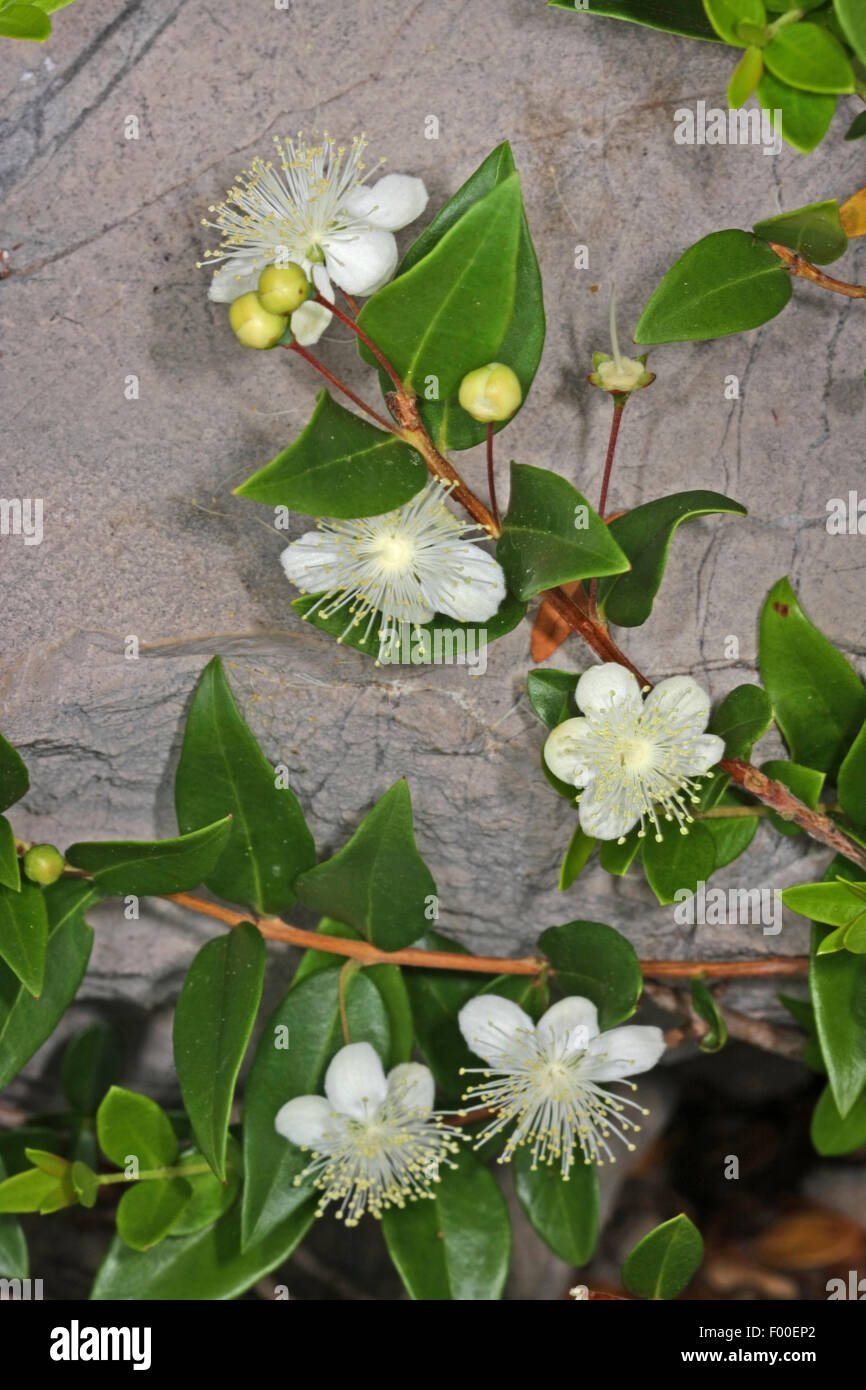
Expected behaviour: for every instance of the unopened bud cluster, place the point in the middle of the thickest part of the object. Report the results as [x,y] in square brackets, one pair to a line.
[260,317]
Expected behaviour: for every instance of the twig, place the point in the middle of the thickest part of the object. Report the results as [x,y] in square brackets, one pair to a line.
[491,476]
[807,271]
[341,386]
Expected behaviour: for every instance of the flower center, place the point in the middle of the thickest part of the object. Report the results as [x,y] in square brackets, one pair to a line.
[394,552]
[636,754]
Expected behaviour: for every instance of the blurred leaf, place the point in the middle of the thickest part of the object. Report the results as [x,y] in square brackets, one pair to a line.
[130,1125]
[10,868]
[24,22]
[14,1262]
[745,78]
[24,934]
[665,1261]
[831,1133]
[838,988]
[598,963]
[92,1062]
[210,1198]
[727,15]
[707,1009]
[852,17]
[14,779]
[147,1211]
[563,1214]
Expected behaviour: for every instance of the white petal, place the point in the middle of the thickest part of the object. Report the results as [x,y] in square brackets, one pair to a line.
[392,203]
[605,816]
[319,276]
[235,277]
[709,748]
[362,262]
[304,1120]
[311,562]
[478,587]
[606,687]
[623,1052]
[490,1024]
[355,1081]
[309,322]
[562,752]
[411,1085]
[571,1024]
[680,698]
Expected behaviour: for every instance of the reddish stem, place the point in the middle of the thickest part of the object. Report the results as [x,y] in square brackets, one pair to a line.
[618,408]
[491,476]
[340,385]
[365,339]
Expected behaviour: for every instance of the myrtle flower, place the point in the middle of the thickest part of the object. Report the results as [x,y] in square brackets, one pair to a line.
[551,1079]
[313,209]
[636,759]
[376,1141]
[398,567]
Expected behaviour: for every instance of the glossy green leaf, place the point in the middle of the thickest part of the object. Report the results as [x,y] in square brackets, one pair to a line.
[152,867]
[598,963]
[551,534]
[831,1133]
[852,18]
[92,1062]
[147,1211]
[815,232]
[665,1261]
[851,937]
[86,1183]
[222,771]
[14,779]
[25,1022]
[523,339]
[857,128]
[616,858]
[676,865]
[551,694]
[851,782]
[24,934]
[213,1021]
[731,835]
[10,867]
[458,1245]
[442,641]
[806,116]
[129,1125]
[745,78]
[818,699]
[437,996]
[807,56]
[341,465]
[728,282]
[707,1009]
[210,1198]
[14,1262]
[644,535]
[32,1190]
[838,987]
[24,22]
[833,904]
[743,717]
[564,1214]
[378,882]
[296,1045]
[727,15]
[674,16]
[577,856]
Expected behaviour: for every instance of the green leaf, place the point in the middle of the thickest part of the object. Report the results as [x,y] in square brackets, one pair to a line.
[458,1245]
[857,128]
[674,16]
[209,1265]
[14,779]
[743,717]
[10,868]
[339,466]
[24,934]
[804,782]
[731,835]
[24,22]
[727,15]
[223,771]
[442,641]
[852,18]
[815,231]
[818,699]
[32,1190]
[378,882]
[210,1198]
[644,535]
[616,858]
[838,988]
[551,694]
[151,867]
[147,1211]
[745,78]
[296,1045]
[420,320]
[437,996]
[675,865]
[707,1009]
[833,1134]
[851,782]
[25,1022]
[563,1213]
[523,340]
[598,963]
[728,282]
[14,1262]
[212,1026]
[832,904]
[129,1125]
[664,1262]
[86,1183]
[576,858]
[551,534]
[92,1062]
[807,56]
[806,116]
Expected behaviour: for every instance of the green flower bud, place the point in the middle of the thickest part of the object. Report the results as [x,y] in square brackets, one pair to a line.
[490,393]
[283,289]
[253,325]
[43,864]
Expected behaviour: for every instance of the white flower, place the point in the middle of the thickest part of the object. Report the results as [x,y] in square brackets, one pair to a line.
[636,758]
[551,1079]
[315,210]
[376,1141]
[403,566]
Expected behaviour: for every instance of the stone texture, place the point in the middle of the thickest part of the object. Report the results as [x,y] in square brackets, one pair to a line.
[143,537]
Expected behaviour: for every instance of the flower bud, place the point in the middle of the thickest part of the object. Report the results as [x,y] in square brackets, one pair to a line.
[43,864]
[490,393]
[253,325]
[620,375]
[283,289]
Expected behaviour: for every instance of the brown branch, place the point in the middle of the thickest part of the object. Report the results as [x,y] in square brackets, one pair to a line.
[405,412]
[726,969]
[785,1042]
[781,800]
[807,271]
